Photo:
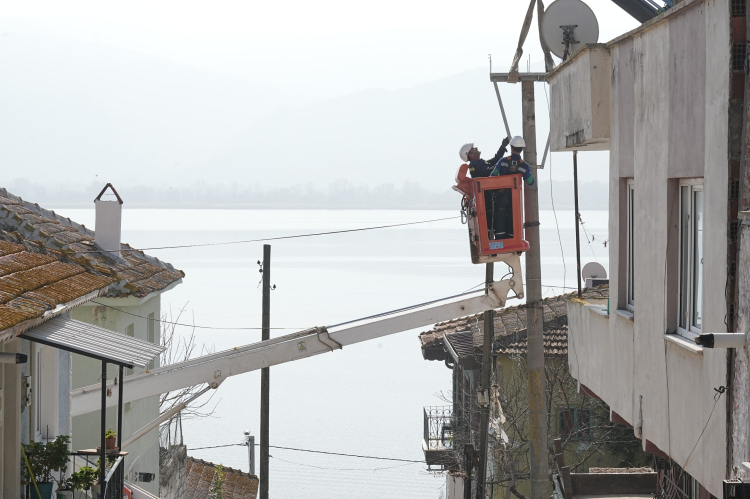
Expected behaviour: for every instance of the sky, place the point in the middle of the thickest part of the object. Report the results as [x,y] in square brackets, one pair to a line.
[299,53]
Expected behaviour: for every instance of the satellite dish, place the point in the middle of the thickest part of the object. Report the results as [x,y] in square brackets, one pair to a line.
[593,270]
[569,24]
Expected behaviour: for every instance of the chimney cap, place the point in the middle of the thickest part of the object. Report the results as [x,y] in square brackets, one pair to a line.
[98,198]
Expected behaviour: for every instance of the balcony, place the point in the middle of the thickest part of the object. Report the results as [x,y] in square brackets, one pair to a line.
[438,442]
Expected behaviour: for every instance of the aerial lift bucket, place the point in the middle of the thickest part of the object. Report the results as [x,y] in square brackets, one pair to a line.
[483,212]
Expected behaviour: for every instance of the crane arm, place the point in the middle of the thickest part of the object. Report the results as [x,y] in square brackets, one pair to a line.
[215,368]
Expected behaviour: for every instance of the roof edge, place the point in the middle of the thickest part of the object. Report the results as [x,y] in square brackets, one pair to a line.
[684,5]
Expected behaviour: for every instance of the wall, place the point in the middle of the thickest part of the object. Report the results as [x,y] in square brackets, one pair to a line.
[741,378]
[669,120]
[10,430]
[87,371]
[173,477]
[580,101]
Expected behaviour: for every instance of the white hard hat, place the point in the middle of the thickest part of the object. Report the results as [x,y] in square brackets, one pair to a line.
[517,142]
[464,151]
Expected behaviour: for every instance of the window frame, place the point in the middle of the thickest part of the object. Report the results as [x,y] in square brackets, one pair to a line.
[630,247]
[687,328]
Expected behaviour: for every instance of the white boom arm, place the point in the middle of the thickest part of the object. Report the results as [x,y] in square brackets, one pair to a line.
[215,368]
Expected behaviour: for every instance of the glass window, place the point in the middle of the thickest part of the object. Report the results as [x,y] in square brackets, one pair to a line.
[690,309]
[630,303]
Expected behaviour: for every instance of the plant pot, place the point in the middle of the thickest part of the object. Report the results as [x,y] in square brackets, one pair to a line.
[62,494]
[110,444]
[45,489]
[96,489]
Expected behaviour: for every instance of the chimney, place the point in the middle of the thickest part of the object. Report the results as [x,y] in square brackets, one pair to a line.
[108,226]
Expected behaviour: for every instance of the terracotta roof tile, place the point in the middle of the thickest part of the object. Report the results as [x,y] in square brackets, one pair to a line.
[200,475]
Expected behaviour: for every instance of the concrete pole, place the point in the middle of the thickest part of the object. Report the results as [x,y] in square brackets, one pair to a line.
[265,373]
[484,410]
[540,487]
[578,220]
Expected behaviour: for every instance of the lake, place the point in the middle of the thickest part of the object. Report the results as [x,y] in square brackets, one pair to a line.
[366,399]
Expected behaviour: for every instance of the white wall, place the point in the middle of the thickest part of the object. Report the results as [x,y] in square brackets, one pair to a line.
[87,371]
[665,126]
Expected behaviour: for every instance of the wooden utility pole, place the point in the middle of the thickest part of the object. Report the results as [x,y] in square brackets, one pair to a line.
[534,311]
[484,406]
[578,220]
[265,374]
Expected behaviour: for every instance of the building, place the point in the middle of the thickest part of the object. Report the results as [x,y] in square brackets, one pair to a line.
[668,100]
[52,266]
[202,474]
[452,433]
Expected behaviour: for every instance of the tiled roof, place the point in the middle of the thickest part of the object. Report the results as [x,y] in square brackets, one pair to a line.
[555,344]
[134,274]
[43,267]
[200,475]
[510,324]
[34,281]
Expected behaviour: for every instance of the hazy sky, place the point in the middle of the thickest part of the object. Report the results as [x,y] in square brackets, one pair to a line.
[304,51]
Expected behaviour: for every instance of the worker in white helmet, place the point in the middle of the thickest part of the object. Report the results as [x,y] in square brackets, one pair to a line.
[501,202]
[479,167]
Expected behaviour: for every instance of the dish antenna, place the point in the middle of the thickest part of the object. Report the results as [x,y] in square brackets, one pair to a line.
[567,24]
[593,270]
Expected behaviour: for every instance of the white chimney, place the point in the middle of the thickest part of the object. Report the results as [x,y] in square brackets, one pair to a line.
[108,226]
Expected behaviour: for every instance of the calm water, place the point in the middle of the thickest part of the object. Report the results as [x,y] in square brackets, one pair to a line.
[366,399]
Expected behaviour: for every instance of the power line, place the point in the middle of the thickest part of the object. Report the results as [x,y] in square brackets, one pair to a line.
[344,469]
[552,198]
[343,231]
[316,452]
[193,325]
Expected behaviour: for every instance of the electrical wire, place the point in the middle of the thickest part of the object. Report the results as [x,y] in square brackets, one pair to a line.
[315,452]
[343,469]
[193,325]
[343,231]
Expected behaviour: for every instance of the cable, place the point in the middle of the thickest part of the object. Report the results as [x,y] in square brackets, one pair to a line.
[343,469]
[193,325]
[315,452]
[276,238]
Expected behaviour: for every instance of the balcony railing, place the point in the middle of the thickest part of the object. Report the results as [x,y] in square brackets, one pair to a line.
[438,427]
[115,480]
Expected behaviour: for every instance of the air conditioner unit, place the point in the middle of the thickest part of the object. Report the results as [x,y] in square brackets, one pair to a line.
[736,489]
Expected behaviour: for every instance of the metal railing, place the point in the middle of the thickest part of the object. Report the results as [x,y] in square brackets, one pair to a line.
[115,480]
[438,427]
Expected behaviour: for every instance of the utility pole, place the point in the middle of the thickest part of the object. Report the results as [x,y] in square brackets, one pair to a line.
[534,311]
[250,442]
[484,406]
[265,373]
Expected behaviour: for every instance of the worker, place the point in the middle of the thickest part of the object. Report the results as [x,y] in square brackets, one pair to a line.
[513,164]
[500,203]
[479,167]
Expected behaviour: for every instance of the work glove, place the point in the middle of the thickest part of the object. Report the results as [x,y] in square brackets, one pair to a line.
[505,143]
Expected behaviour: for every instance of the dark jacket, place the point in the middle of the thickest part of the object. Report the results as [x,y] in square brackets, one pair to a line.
[483,168]
[514,164]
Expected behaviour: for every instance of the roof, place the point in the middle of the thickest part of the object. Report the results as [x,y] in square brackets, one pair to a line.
[135,273]
[510,327]
[200,475]
[94,341]
[45,270]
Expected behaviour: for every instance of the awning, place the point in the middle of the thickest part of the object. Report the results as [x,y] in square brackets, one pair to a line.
[94,341]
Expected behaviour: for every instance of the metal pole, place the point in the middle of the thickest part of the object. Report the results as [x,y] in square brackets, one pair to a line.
[535,314]
[484,409]
[578,220]
[502,109]
[265,374]
[103,449]
[120,383]
[251,453]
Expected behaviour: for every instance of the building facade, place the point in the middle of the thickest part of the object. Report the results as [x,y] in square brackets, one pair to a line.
[674,93]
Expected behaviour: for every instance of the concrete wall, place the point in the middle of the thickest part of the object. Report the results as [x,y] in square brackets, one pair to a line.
[580,101]
[87,371]
[173,478]
[10,430]
[741,378]
[669,121]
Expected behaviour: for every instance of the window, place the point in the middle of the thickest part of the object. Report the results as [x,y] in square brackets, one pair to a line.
[690,300]
[575,424]
[130,331]
[151,336]
[630,296]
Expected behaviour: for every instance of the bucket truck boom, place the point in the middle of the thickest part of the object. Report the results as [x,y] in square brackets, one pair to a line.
[215,368]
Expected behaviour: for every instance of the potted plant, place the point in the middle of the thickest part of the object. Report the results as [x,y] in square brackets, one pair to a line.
[43,461]
[65,488]
[111,437]
[84,478]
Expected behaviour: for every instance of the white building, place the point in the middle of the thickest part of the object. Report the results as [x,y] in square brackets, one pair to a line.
[51,266]
[674,95]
